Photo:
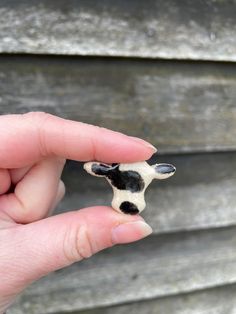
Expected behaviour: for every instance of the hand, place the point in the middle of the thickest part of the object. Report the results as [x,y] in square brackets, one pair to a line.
[33,149]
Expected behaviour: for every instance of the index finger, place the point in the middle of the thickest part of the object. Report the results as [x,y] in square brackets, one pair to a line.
[30,137]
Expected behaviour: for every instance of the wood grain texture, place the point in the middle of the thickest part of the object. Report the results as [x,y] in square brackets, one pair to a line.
[154,267]
[179,107]
[168,29]
[201,194]
[211,301]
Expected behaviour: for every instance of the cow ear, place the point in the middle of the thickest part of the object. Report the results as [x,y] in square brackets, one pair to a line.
[97,169]
[163,171]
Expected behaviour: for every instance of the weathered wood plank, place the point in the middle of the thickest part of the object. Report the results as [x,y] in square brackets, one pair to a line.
[179,107]
[200,195]
[168,29]
[211,301]
[153,267]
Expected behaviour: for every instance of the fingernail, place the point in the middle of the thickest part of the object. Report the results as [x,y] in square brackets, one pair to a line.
[139,140]
[130,232]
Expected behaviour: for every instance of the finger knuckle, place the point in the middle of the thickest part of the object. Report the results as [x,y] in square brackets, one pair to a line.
[39,119]
[79,246]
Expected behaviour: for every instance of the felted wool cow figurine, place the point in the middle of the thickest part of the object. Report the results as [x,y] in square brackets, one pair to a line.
[129,182]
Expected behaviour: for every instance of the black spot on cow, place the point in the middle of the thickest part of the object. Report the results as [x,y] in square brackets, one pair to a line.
[126,180]
[122,180]
[129,208]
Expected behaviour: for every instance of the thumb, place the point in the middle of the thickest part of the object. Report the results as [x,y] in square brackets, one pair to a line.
[47,245]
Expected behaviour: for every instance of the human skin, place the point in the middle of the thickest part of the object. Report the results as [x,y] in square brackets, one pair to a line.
[33,150]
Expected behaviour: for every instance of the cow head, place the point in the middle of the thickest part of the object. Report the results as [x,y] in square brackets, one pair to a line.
[129,181]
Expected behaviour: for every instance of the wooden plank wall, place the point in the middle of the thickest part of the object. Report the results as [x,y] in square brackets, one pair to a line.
[161,70]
